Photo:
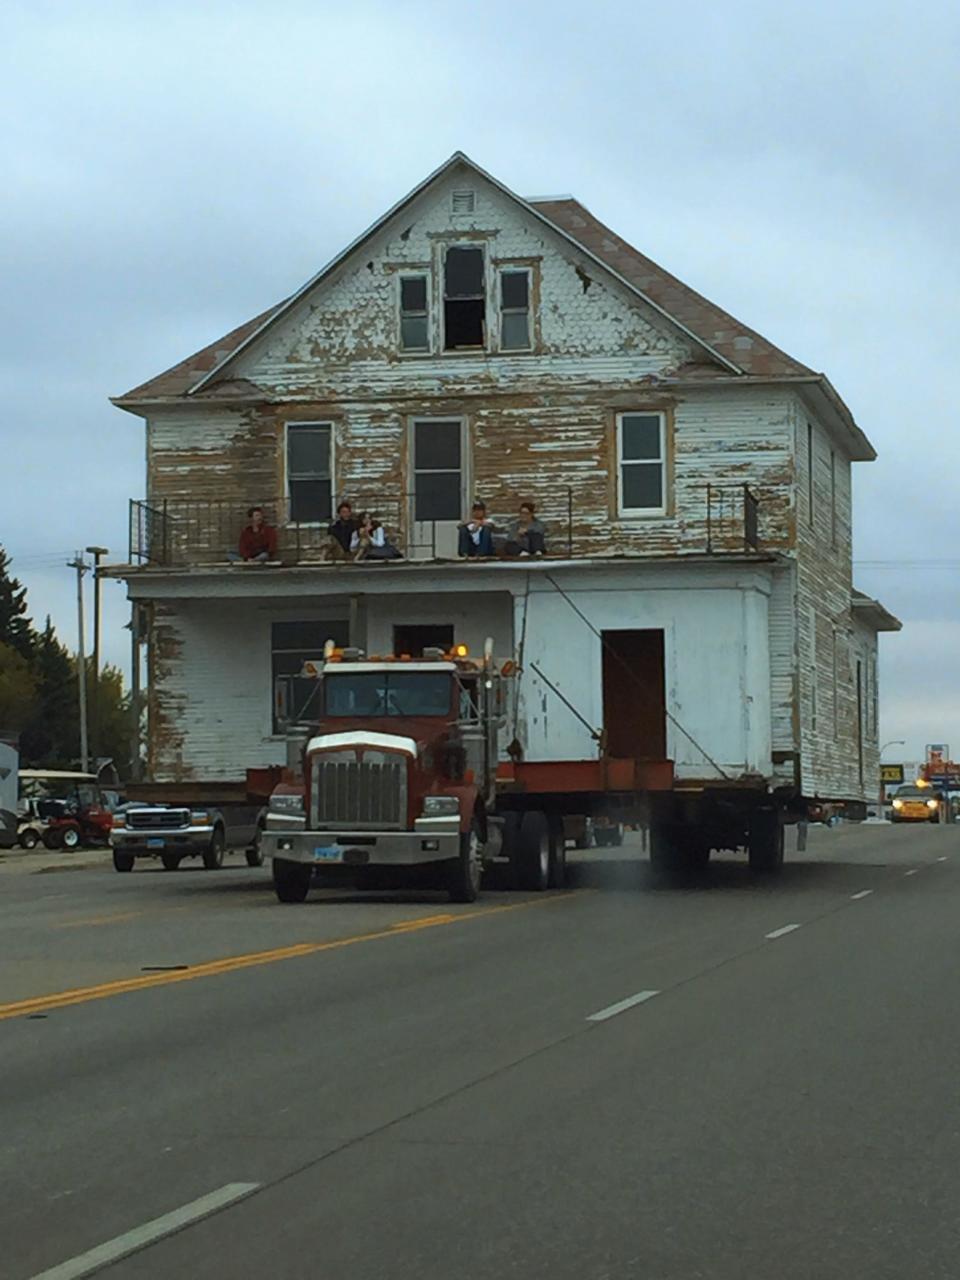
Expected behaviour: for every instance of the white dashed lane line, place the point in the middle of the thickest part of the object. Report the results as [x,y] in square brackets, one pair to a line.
[864,893]
[911,872]
[779,933]
[942,858]
[621,1006]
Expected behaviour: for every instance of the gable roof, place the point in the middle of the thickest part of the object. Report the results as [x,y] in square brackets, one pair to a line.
[744,347]
[730,349]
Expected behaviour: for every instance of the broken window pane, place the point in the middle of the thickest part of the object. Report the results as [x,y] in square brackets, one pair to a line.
[514,289]
[642,485]
[515,335]
[463,273]
[436,446]
[413,333]
[413,293]
[463,324]
[640,436]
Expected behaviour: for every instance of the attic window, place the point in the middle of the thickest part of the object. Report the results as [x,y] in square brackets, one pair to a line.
[463,201]
[464,304]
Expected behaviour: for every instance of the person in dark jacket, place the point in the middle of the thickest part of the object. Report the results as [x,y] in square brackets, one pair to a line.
[342,531]
[527,535]
[258,540]
[475,536]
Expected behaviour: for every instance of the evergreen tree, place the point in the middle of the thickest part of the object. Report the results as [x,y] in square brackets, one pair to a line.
[51,738]
[16,629]
[18,689]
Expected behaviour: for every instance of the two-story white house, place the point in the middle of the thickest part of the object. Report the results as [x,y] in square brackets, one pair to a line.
[696,601]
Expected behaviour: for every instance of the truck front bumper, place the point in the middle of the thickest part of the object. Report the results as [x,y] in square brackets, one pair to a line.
[435,842]
[185,841]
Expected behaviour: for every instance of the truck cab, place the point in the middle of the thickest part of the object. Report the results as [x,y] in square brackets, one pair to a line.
[397,767]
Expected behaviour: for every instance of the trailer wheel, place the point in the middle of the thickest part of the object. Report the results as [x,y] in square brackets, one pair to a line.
[255,852]
[558,853]
[463,875]
[291,880]
[532,852]
[122,861]
[766,841]
[213,854]
[171,861]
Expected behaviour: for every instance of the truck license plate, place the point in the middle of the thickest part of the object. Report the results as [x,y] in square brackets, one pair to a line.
[328,853]
[155,842]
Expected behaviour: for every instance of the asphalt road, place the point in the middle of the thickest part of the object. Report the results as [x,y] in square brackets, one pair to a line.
[721,1082]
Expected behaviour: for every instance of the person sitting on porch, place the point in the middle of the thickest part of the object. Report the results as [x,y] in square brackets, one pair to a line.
[527,535]
[342,530]
[475,536]
[258,540]
[369,540]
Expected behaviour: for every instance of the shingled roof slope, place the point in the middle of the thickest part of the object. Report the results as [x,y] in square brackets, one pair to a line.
[744,347]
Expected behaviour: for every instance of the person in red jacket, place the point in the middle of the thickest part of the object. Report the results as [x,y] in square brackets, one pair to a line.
[258,541]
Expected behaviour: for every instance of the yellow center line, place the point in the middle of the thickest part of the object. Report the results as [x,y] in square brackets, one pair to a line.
[230,964]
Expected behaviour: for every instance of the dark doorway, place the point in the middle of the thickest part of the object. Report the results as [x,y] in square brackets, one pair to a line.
[634,695]
[415,638]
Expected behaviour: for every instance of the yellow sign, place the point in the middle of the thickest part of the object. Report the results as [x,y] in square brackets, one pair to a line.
[891,773]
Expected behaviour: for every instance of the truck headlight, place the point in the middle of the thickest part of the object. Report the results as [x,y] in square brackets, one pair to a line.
[119,819]
[286,804]
[199,819]
[440,806]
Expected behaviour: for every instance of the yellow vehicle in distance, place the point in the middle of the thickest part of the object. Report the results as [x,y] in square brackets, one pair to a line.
[915,803]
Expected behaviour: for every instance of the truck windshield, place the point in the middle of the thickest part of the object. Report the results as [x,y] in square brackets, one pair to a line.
[388,693]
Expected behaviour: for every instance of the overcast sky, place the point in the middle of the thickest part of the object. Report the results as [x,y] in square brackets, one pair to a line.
[169,170]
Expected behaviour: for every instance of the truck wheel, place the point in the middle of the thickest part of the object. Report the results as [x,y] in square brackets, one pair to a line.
[171,861]
[463,877]
[213,854]
[766,842]
[28,838]
[122,861]
[558,853]
[291,880]
[585,840]
[255,852]
[532,853]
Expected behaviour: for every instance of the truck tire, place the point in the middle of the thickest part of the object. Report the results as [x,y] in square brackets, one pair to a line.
[464,873]
[213,854]
[28,838]
[171,861]
[766,841]
[558,853]
[531,859]
[291,880]
[122,861]
[585,840]
[255,852]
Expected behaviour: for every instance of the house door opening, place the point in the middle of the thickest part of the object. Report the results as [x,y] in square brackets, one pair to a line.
[413,639]
[634,695]
[438,484]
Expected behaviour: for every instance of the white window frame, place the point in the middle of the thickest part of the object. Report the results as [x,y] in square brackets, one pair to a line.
[296,422]
[487,345]
[466,470]
[413,274]
[640,513]
[502,310]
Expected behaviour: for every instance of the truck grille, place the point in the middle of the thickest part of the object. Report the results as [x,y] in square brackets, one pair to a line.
[357,794]
[157,819]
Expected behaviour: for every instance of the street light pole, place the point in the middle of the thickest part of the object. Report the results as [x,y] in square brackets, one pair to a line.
[81,568]
[894,742]
[97,553]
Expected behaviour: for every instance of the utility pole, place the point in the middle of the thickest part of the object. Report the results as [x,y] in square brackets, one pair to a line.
[96,552]
[81,568]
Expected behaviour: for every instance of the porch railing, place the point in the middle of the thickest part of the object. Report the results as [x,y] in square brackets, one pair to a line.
[733,518]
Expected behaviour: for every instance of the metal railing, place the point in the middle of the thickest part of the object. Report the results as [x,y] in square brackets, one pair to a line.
[733,518]
[174,532]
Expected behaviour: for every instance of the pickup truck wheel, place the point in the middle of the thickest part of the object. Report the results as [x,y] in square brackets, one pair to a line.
[291,880]
[122,861]
[28,838]
[532,856]
[766,840]
[171,861]
[213,854]
[255,852]
[463,878]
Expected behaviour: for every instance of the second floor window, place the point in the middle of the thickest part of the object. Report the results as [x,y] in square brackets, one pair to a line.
[464,302]
[515,310]
[414,332]
[309,471]
[641,464]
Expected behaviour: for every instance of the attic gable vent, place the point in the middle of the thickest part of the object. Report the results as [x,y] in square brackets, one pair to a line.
[463,201]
